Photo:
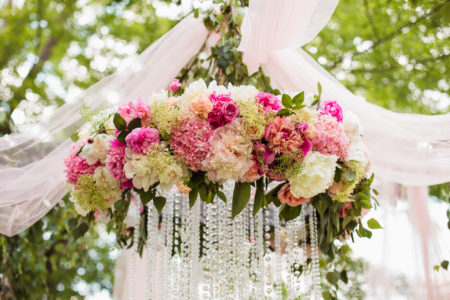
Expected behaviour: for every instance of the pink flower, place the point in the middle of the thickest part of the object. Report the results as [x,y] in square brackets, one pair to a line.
[286,197]
[115,162]
[335,188]
[191,141]
[224,110]
[201,106]
[330,137]
[133,110]
[332,108]
[76,165]
[175,85]
[253,173]
[269,101]
[302,127]
[283,137]
[343,210]
[140,140]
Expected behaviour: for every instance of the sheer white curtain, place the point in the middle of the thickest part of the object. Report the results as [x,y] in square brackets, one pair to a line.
[28,190]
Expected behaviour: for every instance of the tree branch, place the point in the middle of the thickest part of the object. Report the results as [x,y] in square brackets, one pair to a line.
[392,34]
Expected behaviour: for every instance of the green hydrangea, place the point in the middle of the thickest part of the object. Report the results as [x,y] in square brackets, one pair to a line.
[254,120]
[349,186]
[165,117]
[88,195]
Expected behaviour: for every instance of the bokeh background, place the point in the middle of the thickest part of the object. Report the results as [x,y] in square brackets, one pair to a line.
[395,53]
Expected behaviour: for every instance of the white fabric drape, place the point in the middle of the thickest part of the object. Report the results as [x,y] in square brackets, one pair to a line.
[29,190]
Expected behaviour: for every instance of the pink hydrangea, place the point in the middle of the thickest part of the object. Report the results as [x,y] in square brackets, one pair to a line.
[76,165]
[332,108]
[133,110]
[283,137]
[140,140]
[330,137]
[191,141]
[269,101]
[224,110]
[115,162]
[175,85]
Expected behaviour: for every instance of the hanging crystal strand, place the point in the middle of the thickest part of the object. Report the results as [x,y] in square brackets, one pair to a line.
[315,255]
[186,228]
[259,257]
[278,263]
[239,252]
[268,278]
[167,230]
[149,253]
[304,248]
[135,250]
[224,279]
[297,256]
[176,245]
[289,258]
[253,264]
[194,239]
[210,250]
[152,240]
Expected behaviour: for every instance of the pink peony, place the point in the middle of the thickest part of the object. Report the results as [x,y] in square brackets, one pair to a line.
[269,101]
[332,108]
[286,197]
[115,162]
[133,110]
[175,85]
[224,110]
[343,210]
[330,137]
[77,165]
[191,141]
[201,106]
[283,137]
[140,140]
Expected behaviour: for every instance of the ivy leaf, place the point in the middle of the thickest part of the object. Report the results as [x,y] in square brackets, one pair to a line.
[333,277]
[159,203]
[286,100]
[135,123]
[146,197]
[373,224]
[73,222]
[259,196]
[349,175]
[119,122]
[241,195]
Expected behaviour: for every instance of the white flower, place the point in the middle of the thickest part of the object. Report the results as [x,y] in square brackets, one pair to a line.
[357,152]
[139,169]
[243,93]
[316,177]
[81,211]
[194,90]
[171,174]
[98,149]
[219,89]
[109,186]
[352,126]
[161,95]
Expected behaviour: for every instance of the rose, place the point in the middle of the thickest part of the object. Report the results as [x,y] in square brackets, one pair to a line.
[175,85]
[331,107]
[141,139]
[269,101]
[229,111]
[286,197]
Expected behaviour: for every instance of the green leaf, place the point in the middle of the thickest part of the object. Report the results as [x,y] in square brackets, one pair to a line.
[122,135]
[349,175]
[193,195]
[79,151]
[73,222]
[146,197]
[284,112]
[259,196]
[373,224]
[365,204]
[119,122]
[222,196]
[333,277]
[319,88]
[289,213]
[272,195]
[135,123]
[344,276]
[286,100]
[444,264]
[347,220]
[159,203]
[326,295]
[298,99]
[74,137]
[241,195]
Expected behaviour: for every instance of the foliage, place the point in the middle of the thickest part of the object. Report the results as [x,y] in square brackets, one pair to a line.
[46,260]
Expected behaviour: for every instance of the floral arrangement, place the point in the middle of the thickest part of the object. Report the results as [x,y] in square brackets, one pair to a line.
[287,150]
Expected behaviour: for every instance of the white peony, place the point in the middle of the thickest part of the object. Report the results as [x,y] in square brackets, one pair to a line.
[171,174]
[357,152]
[315,178]
[97,150]
[219,89]
[243,93]
[109,186]
[161,95]
[139,169]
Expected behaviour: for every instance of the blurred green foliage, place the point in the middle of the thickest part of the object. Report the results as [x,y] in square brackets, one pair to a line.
[393,52]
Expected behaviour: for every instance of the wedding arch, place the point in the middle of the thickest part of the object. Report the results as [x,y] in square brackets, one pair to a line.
[408,149]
